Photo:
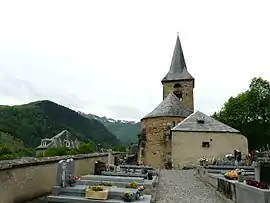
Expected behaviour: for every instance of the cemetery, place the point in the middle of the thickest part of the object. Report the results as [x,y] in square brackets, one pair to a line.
[110,183]
[238,180]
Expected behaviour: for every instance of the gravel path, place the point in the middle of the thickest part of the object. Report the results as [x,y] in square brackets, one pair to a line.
[181,186]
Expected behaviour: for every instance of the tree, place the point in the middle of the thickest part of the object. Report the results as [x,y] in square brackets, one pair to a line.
[119,149]
[86,148]
[249,112]
[5,153]
[61,151]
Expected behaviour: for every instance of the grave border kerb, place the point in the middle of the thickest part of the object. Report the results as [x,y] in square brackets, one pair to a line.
[50,160]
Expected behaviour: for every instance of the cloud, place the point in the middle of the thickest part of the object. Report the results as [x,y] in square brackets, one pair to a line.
[96,59]
[126,112]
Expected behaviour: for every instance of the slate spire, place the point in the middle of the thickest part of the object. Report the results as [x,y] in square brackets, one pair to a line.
[178,69]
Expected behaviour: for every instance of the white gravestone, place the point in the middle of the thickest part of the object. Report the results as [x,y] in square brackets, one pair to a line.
[62,173]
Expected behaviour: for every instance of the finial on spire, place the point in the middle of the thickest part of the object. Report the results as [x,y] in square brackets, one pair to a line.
[177,33]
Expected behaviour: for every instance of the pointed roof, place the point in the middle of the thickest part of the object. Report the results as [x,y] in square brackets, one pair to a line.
[170,106]
[200,122]
[178,69]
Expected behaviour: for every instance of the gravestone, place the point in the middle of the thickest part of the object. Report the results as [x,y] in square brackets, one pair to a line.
[71,167]
[262,172]
[62,174]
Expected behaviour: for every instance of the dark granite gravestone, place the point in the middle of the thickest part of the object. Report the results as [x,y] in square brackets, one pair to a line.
[71,167]
[264,172]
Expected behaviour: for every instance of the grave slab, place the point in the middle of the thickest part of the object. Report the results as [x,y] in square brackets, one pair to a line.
[124,174]
[136,167]
[69,199]
[112,178]
[79,191]
[148,184]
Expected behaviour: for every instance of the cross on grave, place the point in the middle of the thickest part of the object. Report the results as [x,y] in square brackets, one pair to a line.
[71,167]
[62,174]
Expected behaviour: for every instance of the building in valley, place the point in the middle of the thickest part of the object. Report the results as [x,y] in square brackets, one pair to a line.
[62,139]
[159,144]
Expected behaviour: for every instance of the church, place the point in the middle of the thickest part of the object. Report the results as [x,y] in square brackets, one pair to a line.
[173,132]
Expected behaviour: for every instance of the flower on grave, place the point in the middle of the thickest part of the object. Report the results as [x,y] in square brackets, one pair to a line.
[73,178]
[203,159]
[95,188]
[133,185]
[257,184]
[141,188]
[128,197]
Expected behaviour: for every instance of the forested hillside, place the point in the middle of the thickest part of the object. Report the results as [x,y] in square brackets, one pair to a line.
[34,121]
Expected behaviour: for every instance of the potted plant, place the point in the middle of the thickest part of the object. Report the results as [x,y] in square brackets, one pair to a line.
[72,180]
[132,185]
[106,184]
[96,192]
[128,197]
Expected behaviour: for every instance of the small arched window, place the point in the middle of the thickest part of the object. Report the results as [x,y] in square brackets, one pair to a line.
[177,85]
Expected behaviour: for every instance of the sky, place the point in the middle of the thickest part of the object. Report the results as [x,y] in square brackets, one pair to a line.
[109,57]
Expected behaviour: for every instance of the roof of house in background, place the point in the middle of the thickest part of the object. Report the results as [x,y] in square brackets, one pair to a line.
[200,122]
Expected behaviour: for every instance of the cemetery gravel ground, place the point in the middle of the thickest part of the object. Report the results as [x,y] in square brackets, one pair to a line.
[181,186]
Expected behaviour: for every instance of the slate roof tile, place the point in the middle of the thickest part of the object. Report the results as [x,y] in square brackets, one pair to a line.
[178,69]
[170,106]
[193,123]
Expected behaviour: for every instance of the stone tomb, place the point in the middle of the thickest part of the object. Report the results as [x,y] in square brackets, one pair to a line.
[62,193]
[79,191]
[74,199]
[76,194]
[124,174]
[112,178]
[136,167]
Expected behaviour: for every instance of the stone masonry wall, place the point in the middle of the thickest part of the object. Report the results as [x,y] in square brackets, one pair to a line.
[22,180]
[187,92]
[156,148]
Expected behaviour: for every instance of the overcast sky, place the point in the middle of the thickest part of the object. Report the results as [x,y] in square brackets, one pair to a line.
[108,57]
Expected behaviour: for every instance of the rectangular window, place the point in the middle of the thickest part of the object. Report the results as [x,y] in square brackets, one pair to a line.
[206,144]
[200,121]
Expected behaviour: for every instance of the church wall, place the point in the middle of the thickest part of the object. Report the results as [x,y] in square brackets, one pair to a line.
[156,147]
[187,90]
[187,146]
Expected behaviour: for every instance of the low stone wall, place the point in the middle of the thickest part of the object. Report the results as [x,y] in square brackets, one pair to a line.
[250,194]
[233,191]
[23,180]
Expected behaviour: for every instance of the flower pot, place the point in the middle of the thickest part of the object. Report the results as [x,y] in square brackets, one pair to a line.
[98,195]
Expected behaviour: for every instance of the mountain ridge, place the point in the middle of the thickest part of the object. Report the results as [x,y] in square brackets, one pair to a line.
[36,120]
[125,131]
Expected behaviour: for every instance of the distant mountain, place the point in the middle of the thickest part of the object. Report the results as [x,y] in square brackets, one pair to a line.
[126,131]
[34,121]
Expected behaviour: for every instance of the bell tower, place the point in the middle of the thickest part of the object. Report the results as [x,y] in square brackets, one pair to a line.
[178,79]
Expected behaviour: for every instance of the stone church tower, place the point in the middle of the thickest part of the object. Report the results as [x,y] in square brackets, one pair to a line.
[178,103]
[178,79]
